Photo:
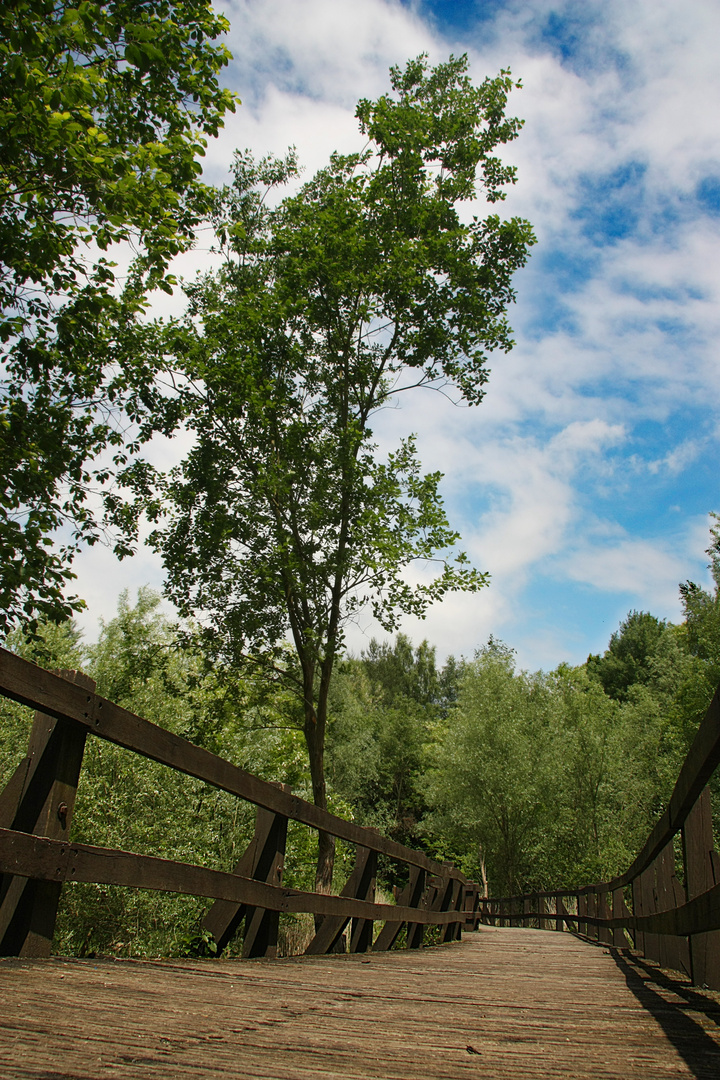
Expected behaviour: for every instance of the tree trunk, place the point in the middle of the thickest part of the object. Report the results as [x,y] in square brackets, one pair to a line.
[483,873]
[315,740]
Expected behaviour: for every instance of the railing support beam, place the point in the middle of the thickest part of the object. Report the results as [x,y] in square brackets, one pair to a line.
[40,799]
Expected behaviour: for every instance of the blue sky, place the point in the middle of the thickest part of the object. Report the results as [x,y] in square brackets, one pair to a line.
[584,481]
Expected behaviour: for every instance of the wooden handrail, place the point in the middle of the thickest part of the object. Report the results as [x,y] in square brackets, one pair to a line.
[28,684]
[42,859]
[35,850]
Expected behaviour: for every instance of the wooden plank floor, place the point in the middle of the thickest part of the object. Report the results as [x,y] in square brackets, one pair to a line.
[501,1003]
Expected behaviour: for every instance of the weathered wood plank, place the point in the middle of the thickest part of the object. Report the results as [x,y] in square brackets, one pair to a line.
[698,844]
[503,1004]
[651,947]
[619,911]
[605,935]
[674,951]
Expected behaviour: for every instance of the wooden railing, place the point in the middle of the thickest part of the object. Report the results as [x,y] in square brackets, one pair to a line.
[675,924]
[37,855]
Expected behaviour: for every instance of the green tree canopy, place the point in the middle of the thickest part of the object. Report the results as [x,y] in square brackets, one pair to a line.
[403,672]
[493,774]
[627,661]
[384,708]
[104,111]
[544,778]
[702,613]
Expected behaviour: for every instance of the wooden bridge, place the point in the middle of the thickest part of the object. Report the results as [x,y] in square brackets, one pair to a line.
[569,983]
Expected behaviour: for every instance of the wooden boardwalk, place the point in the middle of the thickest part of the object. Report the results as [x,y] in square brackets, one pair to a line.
[512,1003]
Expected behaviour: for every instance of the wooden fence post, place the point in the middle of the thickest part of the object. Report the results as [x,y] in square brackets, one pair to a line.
[263,860]
[591,910]
[701,873]
[638,909]
[559,921]
[651,946]
[581,910]
[674,951]
[602,910]
[527,906]
[472,905]
[543,910]
[40,799]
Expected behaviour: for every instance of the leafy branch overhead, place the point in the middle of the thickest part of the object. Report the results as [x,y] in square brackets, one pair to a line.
[105,109]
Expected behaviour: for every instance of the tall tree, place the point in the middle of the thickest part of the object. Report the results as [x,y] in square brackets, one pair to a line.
[495,770]
[702,614]
[627,661]
[104,111]
[365,283]
[384,710]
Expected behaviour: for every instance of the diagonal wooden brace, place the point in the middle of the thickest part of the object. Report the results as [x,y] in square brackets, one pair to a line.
[361,930]
[444,894]
[411,896]
[263,860]
[452,899]
[361,886]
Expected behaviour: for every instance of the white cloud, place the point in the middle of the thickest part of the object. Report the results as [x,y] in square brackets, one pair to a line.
[678,459]
[646,571]
[335,50]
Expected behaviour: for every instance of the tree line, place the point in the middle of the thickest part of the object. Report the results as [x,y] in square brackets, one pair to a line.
[529,780]
[526,780]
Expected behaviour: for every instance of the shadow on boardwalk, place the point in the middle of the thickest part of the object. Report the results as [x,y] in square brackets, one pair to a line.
[685,1015]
